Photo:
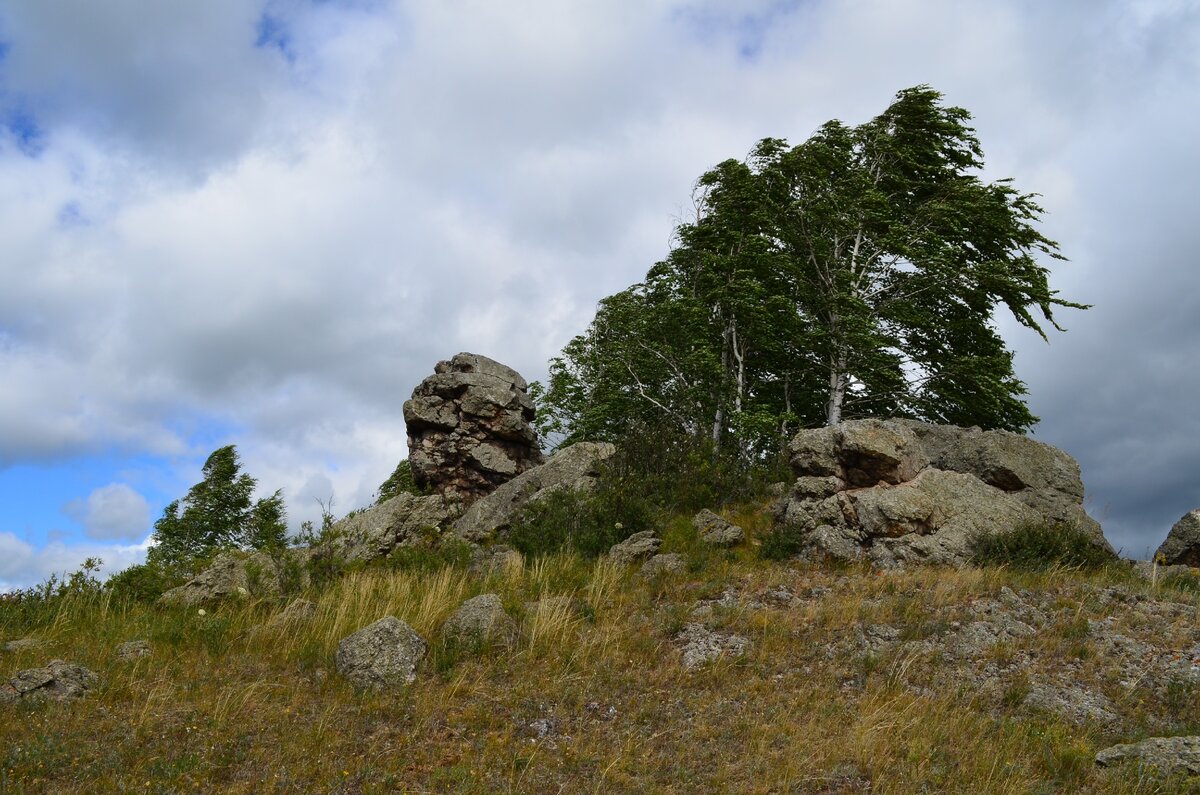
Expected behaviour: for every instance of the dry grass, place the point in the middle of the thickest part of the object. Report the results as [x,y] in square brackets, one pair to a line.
[231,702]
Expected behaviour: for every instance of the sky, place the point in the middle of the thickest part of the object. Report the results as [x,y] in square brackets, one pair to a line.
[262,222]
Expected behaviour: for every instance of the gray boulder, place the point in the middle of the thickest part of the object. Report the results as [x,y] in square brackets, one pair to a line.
[1182,545]
[23,644]
[572,468]
[404,520]
[469,428]
[717,531]
[902,491]
[478,620]
[636,548]
[1166,755]
[58,681]
[701,645]
[663,566]
[298,611]
[133,650]
[238,574]
[382,655]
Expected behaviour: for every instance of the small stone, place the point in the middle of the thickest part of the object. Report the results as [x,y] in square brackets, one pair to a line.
[717,531]
[701,645]
[134,650]
[382,655]
[58,681]
[663,566]
[638,547]
[21,644]
[478,620]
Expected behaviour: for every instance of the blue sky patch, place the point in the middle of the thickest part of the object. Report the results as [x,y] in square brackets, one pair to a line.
[272,33]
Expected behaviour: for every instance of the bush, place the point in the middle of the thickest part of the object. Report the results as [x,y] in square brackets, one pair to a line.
[1038,547]
[781,542]
[588,523]
[142,583]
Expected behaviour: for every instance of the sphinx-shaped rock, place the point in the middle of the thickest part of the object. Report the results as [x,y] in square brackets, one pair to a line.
[898,491]
[469,428]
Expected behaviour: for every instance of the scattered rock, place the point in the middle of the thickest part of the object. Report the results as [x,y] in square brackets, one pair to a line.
[58,681]
[636,548]
[701,645]
[901,491]
[1166,755]
[134,650]
[495,560]
[717,531]
[298,611]
[663,566]
[22,644]
[572,468]
[1182,545]
[235,574]
[540,729]
[478,620]
[382,655]
[404,520]
[469,428]
[1073,703]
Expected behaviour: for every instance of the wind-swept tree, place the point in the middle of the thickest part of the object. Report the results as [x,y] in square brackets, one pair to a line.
[855,274]
[217,513]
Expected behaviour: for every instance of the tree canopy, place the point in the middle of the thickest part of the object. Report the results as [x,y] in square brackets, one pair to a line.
[217,513]
[855,274]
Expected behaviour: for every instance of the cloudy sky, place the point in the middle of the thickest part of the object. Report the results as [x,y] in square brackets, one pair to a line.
[262,222]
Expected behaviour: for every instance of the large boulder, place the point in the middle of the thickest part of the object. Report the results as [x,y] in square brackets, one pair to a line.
[900,491]
[1182,545]
[635,549]
[404,520]
[382,655]
[478,620]
[58,681]
[239,574]
[717,531]
[469,428]
[573,468]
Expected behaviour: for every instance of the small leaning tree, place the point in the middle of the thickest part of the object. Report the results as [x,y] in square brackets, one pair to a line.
[856,274]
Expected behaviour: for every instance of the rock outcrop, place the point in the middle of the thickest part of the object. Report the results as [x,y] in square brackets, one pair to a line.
[1182,545]
[58,681]
[575,467]
[900,491]
[1163,755]
[234,574]
[635,549]
[404,520]
[469,428]
[478,620]
[382,655]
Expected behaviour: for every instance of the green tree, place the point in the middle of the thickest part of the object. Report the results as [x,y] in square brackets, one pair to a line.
[218,513]
[856,274]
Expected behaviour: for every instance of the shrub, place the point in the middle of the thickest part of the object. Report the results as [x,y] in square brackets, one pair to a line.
[144,582]
[781,542]
[1038,547]
[588,523]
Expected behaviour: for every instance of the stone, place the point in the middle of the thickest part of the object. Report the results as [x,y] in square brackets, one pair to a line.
[663,566]
[237,574]
[58,681]
[574,468]
[404,520]
[133,650]
[702,645]
[1165,755]
[479,620]
[298,611]
[1182,544]
[897,492]
[495,560]
[23,644]
[636,548]
[717,531]
[469,428]
[383,655]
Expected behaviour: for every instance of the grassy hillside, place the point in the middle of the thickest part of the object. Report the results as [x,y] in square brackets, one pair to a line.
[853,681]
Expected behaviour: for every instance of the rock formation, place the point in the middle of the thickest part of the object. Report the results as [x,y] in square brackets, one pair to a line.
[404,520]
[1182,546]
[899,491]
[240,574]
[1161,756]
[479,620]
[716,531]
[574,467]
[469,428]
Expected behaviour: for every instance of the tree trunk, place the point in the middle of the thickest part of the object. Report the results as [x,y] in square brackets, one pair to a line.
[837,387]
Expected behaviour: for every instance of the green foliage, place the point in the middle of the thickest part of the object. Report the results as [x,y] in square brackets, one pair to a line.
[143,582]
[1039,547]
[781,542]
[217,513]
[399,482]
[855,274]
[431,557]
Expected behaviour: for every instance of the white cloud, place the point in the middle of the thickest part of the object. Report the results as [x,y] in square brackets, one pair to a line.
[22,565]
[112,512]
